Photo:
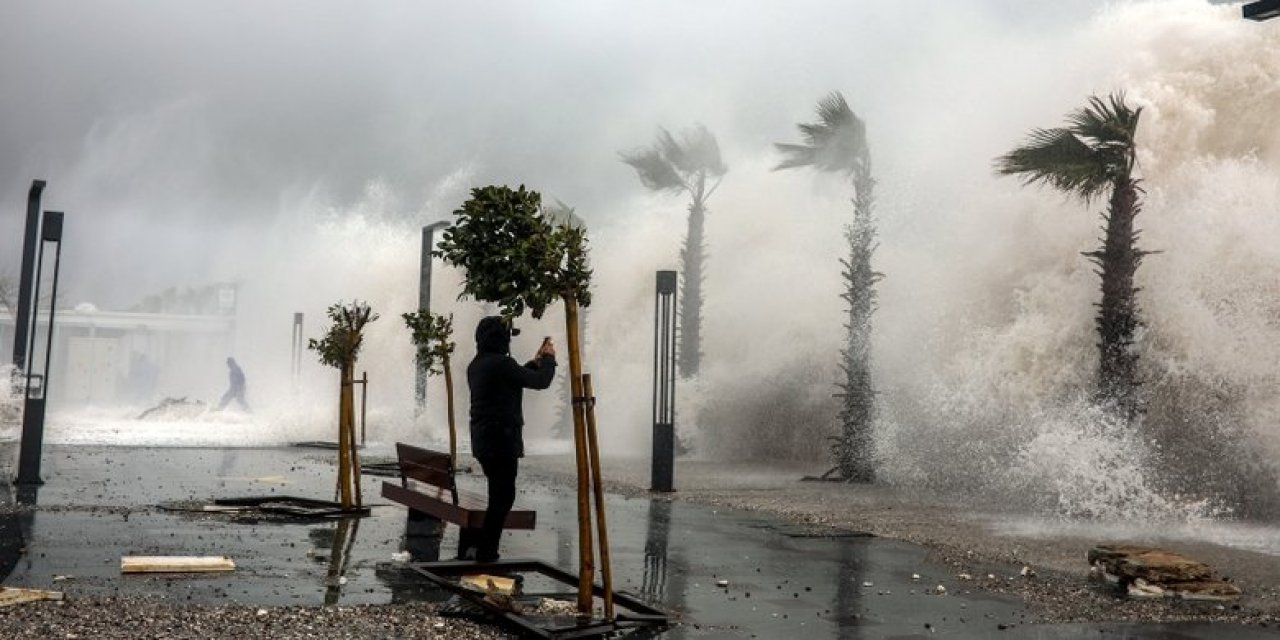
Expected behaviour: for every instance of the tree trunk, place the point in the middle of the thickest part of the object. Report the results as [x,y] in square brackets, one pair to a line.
[586,562]
[1117,320]
[344,442]
[692,255]
[563,426]
[853,447]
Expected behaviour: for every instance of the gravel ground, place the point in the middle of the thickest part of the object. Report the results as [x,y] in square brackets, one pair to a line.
[128,618]
[1060,591]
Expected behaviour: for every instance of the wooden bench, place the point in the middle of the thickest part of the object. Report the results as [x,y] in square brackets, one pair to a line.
[427,485]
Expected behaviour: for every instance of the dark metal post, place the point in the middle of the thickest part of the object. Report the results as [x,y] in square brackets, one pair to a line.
[424,304]
[295,362]
[664,383]
[34,406]
[1261,10]
[21,319]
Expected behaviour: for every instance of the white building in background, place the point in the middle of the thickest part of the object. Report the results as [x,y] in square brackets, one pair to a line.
[174,344]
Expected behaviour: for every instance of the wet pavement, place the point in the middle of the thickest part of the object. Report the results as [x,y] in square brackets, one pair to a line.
[727,574]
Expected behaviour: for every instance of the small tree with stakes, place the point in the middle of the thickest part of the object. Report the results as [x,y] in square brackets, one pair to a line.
[516,256]
[339,348]
[432,335]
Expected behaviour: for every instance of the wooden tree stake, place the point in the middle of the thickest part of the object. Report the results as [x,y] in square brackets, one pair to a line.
[453,429]
[586,562]
[593,447]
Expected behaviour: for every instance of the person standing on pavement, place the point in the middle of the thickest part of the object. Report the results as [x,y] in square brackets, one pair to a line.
[497,383]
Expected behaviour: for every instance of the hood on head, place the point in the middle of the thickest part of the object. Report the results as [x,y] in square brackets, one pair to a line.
[493,336]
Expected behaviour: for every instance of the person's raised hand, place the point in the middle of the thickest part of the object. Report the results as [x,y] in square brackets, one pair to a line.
[547,348]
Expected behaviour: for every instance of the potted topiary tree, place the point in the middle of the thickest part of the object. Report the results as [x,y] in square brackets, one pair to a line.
[517,257]
[339,348]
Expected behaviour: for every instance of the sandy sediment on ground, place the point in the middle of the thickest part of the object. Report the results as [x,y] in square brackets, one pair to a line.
[960,536]
[130,618]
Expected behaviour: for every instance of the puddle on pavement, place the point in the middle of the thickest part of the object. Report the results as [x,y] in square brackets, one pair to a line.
[728,574]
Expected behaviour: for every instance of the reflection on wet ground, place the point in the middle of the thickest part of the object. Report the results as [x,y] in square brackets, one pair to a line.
[727,574]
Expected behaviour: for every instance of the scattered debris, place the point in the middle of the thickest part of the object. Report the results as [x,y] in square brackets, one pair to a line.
[10,596]
[1149,572]
[174,409]
[487,583]
[175,564]
[1140,589]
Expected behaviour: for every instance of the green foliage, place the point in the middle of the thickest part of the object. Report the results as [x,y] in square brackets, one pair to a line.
[671,165]
[341,342]
[431,333]
[514,254]
[1087,157]
[836,143]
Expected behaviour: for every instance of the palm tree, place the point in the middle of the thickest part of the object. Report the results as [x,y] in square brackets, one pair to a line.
[675,167]
[837,143]
[1091,156]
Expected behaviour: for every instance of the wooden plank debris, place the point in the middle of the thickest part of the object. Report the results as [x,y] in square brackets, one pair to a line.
[483,582]
[175,564]
[1154,573]
[10,596]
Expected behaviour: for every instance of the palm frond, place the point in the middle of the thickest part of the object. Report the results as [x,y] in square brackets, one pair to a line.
[654,170]
[672,165]
[670,150]
[1110,127]
[837,142]
[1086,157]
[1060,159]
[835,114]
[702,152]
[795,155]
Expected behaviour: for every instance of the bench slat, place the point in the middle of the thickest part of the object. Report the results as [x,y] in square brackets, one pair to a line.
[425,465]
[430,475]
[468,513]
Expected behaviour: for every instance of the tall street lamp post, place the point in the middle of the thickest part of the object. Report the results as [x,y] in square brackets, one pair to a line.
[424,304]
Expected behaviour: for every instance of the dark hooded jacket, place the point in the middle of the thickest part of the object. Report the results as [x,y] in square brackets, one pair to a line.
[497,385]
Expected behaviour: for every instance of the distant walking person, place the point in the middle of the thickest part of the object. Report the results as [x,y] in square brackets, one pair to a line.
[497,385]
[236,389]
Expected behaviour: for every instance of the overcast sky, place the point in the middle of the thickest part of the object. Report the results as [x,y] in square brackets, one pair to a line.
[296,145]
[157,122]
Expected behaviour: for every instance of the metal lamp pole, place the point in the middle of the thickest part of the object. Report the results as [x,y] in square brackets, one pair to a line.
[35,395]
[424,304]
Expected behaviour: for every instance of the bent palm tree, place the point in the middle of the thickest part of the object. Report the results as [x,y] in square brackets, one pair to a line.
[1091,156]
[685,166]
[837,143]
